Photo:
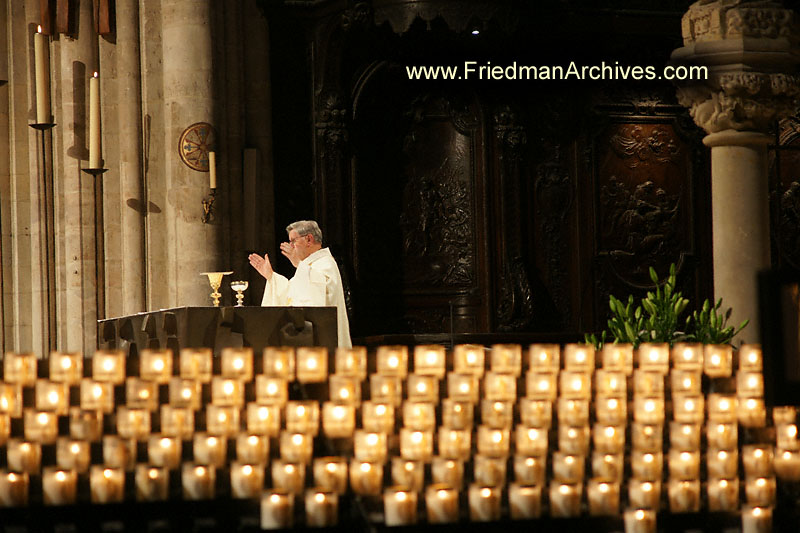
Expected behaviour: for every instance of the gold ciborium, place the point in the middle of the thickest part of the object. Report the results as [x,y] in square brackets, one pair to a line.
[239,287]
[215,280]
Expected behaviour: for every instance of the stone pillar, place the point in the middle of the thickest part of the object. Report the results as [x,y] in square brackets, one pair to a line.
[192,246]
[748,47]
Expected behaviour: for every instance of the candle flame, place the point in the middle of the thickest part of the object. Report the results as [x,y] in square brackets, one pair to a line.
[95,74]
[39,29]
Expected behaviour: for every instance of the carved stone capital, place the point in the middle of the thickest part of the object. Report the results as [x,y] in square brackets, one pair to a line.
[749,48]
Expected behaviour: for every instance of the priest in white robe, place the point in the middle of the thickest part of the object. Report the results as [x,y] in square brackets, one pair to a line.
[316,282]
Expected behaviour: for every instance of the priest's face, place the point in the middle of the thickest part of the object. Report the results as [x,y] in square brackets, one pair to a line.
[302,244]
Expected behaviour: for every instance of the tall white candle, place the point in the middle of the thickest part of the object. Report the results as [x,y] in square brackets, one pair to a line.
[94,121]
[42,86]
[212,169]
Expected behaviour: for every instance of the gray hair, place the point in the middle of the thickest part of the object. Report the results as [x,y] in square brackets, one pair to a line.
[306,227]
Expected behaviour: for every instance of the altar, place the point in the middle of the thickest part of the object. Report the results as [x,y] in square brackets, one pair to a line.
[219,327]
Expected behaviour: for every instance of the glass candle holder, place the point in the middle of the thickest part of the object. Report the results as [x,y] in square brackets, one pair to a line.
[611,410]
[287,476]
[749,383]
[603,497]
[164,451]
[484,503]
[392,361]
[20,368]
[684,436]
[462,387]
[573,439]
[351,362]
[751,358]
[722,408]
[338,419]
[568,468]
[237,363]
[448,471]
[456,414]
[723,494]
[648,383]
[23,456]
[277,509]
[506,359]
[416,444]
[51,396]
[686,382]
[429,360]
[271,390]
[330,474]
[59,487]
[541,385]
[72,454]
[247,481]
[565,499]
[530,441]
[152,483]
[141,394]
[722,435]
[423,388]
[184,393]
[14,489]
[386,389]
[492,441]
[644,493]
[684,464]
[106,485]
[441,504]
[155,365]
[227,392]
[419,415]
[787,464]
[196,364]
[647,465]
[11,399]
[718,360]
[399,506]
[366,478]
[722,464]
[573,412]
[119,452]
[640,521]
[684,495]
[654,357]
[455,443]
[40,426]
[751,412]
[524,501]
[66,367]
[545,357]
[263,419]
[617,357]
[497,414]
[575,384]
[579,357]
[252,449]
[344,389]
[500,387]
[758,460]
[408,473]
[322,508]
[210,449]
[279,362]
[488,470]
[608,439]
[312,364]
[647,437]
[608,466]
[369,446]
[786,436]
[538,413]
[177,422]
[530,470]
[198,481]
[377,416]
[468,359]
[610,383]
[756,519]
[648,409]
[687,356]
[133,423]
[760,491]
[296,447]
[302,417]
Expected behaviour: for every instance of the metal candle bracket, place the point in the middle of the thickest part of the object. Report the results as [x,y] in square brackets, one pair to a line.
[208,206]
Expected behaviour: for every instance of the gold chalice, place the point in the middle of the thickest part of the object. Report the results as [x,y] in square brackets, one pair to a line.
[215,280]
[239,287]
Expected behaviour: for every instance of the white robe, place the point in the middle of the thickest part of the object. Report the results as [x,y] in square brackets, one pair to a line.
[316,283]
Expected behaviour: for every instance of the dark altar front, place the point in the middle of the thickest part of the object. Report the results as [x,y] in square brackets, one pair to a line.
[220,327]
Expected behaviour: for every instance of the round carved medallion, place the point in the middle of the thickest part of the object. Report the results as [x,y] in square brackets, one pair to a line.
[194,145]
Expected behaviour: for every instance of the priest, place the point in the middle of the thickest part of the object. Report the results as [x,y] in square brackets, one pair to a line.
[316,282]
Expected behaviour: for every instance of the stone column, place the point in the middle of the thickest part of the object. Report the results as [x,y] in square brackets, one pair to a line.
[748,47]
[192,246]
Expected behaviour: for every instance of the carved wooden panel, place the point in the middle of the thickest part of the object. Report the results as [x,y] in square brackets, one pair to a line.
[785,195]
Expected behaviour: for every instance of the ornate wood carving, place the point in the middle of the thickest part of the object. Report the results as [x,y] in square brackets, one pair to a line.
[785,194]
